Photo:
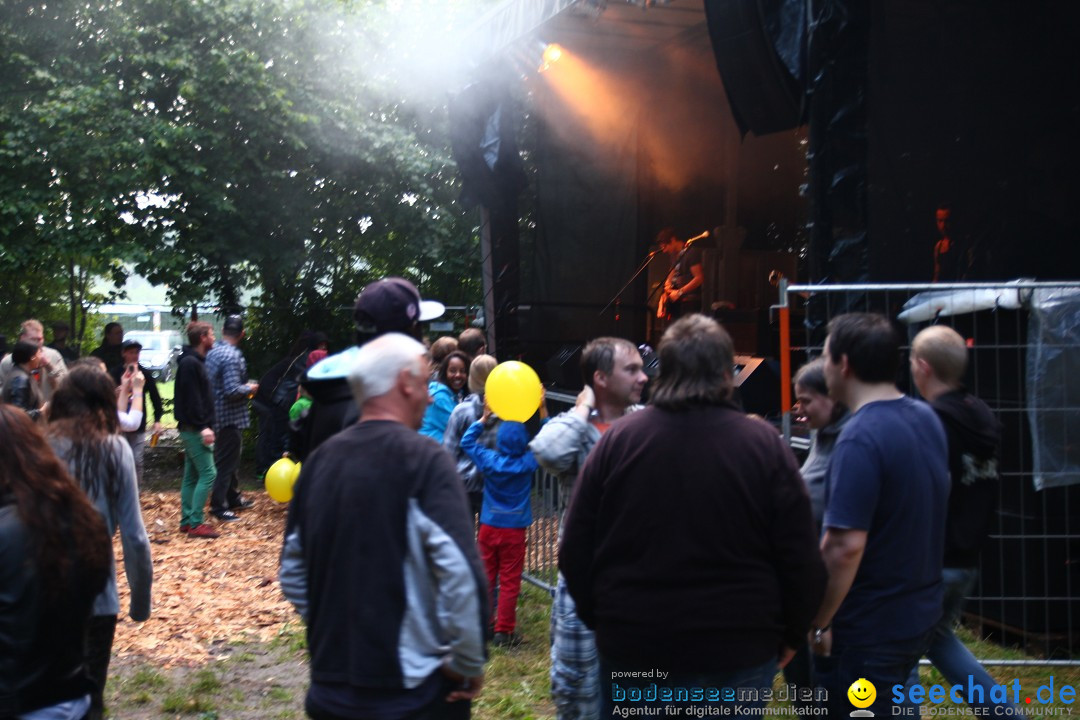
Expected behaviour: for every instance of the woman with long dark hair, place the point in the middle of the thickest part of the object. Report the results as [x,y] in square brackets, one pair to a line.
[83,430]
[54,557]
[446,390]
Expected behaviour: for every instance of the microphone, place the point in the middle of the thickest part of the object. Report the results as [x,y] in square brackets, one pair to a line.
[702,236]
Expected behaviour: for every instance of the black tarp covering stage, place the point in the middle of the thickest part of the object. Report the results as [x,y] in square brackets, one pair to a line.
[910,104]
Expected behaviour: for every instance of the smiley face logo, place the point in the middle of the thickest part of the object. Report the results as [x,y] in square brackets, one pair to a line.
[862,693]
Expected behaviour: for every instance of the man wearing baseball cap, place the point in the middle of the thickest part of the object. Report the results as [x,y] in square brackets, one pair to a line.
[391,304]
[129,351]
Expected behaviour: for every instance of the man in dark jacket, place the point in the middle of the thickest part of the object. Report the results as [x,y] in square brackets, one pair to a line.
[973,434]
[379,556]
[391,304]
[193,406]
[689,547]
[21,389]
[53,369]
[109,351]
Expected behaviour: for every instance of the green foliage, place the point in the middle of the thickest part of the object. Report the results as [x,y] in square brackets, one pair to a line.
[220,147]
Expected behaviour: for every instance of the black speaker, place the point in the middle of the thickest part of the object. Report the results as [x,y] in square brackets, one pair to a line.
[757,385]
[760,52]
[564,368]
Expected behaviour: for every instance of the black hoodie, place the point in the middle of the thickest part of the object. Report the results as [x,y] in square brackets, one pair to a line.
[332,409]
[974,437]
[193,401]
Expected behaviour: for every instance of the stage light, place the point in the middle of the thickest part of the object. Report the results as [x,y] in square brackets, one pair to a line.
[552,53]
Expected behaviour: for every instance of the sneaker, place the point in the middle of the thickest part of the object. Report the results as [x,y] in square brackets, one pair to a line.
[506,640]
[241,504]
[203,531]
[225,515]
[184,529]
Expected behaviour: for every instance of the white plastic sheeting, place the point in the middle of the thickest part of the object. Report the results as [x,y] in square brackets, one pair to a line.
[1053,388]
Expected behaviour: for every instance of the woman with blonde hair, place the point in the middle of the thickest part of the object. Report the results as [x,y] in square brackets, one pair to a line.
[465,414]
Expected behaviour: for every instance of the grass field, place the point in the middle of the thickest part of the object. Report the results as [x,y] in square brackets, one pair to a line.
[165,389]
[222,642]
[270,679]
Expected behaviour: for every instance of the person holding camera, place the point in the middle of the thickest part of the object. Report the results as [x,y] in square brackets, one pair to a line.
[128,369]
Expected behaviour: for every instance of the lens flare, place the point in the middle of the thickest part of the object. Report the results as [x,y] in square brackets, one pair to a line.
[552,53]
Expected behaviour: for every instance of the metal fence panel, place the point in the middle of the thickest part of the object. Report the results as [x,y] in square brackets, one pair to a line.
[1031,563]
[549,500]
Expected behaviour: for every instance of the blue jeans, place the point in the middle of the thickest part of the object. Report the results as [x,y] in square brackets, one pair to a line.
[622,692]
[69,710]
[950,656]
[883,664]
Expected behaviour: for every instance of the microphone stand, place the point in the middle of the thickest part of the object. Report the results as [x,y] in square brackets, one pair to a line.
[615,299]
[633,277]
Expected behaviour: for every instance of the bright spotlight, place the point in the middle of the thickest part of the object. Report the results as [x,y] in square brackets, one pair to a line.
[552,53]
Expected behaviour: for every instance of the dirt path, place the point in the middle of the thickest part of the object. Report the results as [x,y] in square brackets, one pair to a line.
[221,642]
[206,592]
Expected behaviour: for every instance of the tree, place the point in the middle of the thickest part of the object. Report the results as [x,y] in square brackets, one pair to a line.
[227,146]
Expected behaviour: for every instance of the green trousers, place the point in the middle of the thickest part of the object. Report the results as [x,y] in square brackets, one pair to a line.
[199,474]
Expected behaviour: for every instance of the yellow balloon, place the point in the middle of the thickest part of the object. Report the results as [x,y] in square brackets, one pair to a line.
[280,478]
[513,391]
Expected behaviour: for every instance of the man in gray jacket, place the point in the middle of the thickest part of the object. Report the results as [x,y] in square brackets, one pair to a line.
[614,380]
[379,556]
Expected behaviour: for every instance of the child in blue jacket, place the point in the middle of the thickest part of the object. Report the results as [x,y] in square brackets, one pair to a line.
[505,514]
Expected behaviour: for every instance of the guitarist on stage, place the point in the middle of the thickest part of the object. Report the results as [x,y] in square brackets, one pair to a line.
[682,288]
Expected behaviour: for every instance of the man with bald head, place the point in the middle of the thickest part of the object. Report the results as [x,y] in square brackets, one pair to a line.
[939,358]
[380,559]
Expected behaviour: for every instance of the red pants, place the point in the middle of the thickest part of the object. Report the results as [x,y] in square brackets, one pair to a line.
[503,553]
